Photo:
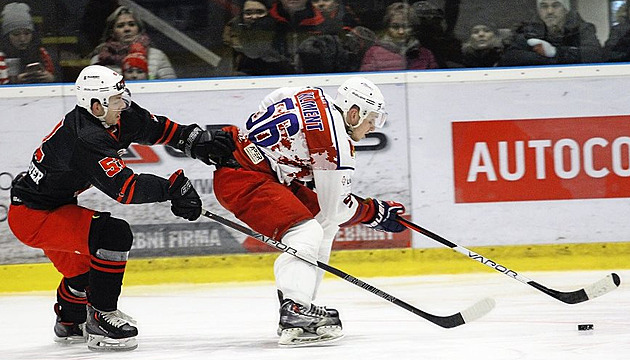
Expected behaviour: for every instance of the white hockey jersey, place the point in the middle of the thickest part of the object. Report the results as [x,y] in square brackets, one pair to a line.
[303,137]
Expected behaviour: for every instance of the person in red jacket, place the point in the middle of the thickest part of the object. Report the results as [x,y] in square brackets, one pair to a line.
[90,248]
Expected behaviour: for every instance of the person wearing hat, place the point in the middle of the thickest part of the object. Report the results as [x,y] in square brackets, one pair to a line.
[27,60]
[135,65]
[558,36]
[483,48]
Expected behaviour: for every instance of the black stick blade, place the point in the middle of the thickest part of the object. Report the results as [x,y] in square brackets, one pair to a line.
[599,288]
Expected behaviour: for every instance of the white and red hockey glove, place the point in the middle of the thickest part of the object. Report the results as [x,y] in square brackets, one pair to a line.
[385,216]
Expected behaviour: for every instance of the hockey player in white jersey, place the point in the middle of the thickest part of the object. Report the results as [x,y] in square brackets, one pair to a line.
[301,135]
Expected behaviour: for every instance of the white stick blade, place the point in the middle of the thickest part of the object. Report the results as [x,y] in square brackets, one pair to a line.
[603,286]
[478,310]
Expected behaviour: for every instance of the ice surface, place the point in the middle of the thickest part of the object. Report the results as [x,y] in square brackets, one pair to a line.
[238,321]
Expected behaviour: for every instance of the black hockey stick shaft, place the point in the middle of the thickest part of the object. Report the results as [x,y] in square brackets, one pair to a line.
[601,287]
[451,321]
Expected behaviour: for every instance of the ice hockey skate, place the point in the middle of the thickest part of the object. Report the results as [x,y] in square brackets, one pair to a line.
[110,331]
[68,332]
[330,311]
[305,327]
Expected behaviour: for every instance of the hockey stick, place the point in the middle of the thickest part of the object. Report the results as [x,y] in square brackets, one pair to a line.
[599,288]
[472,313]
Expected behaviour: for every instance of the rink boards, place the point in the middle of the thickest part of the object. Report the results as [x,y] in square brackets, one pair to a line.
[502,159]
[358,263]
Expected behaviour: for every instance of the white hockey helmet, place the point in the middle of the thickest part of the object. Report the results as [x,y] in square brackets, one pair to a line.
[366,95]
[97,82]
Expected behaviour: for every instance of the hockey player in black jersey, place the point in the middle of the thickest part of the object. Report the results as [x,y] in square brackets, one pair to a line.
[90,248]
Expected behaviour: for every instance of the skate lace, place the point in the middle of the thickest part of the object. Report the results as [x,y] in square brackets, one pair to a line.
[117,318]
[317,310]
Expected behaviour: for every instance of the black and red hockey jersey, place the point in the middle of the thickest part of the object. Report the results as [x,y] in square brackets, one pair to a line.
[80,152]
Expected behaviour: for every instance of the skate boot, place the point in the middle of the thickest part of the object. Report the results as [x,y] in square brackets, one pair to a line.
[300,326]
[68,332]
[110,330]
[331,312]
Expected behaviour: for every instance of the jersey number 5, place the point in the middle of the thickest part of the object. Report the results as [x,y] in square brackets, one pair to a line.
[112,166]
[267,129]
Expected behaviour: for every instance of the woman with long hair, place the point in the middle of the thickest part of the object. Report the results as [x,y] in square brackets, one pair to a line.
[124,30]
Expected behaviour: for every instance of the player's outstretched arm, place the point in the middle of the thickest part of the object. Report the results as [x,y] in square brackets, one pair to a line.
[213,147]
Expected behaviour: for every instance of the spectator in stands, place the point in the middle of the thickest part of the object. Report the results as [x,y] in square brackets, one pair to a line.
[135,65]
[297,20]
[617,47]
[253,38]
[357,42]
[323,54]
[558,36]
[431,31]
[26,60]
[397,49]
[337,17]
[483,48]
[331,53]
[123,29]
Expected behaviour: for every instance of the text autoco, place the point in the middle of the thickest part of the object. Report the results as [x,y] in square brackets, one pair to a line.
[569,158]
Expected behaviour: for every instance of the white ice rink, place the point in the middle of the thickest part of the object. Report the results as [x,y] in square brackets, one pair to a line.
[238,321]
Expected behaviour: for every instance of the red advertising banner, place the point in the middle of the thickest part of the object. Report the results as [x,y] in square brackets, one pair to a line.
[541,159]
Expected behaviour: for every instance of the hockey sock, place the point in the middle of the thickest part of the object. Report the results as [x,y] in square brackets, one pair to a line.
[105,283]
[72,298]
[110,241]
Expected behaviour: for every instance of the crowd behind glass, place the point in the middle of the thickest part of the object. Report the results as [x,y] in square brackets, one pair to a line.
[50,41]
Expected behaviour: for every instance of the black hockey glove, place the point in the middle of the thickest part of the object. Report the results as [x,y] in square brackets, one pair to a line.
[212,147]
[185,201]
[385,216]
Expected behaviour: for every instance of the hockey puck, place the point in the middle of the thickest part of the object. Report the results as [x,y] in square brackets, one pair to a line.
[585,327]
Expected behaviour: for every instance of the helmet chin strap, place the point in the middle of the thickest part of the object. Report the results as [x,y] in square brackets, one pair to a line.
[102,118]
[126,100]
[349,128]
